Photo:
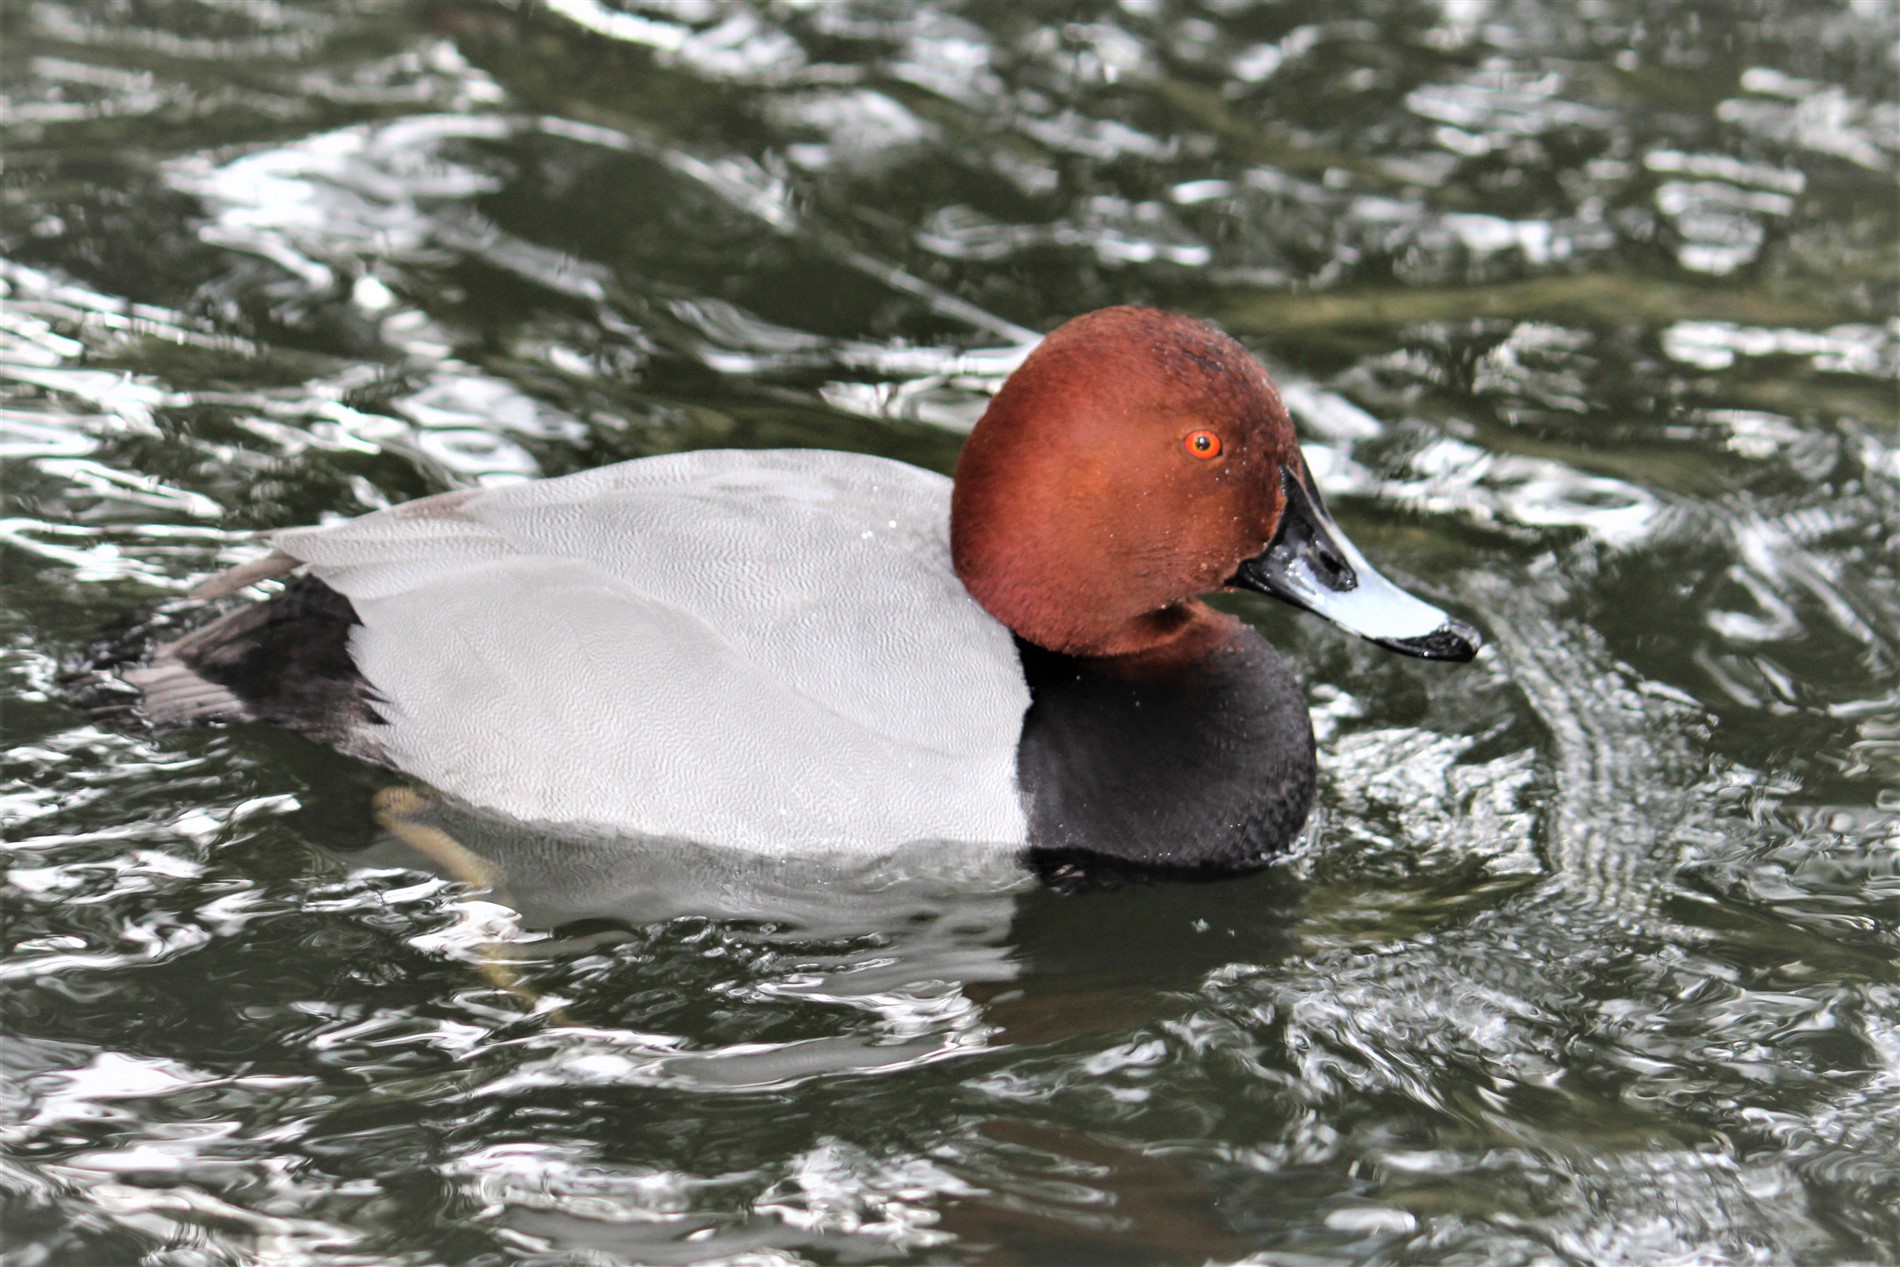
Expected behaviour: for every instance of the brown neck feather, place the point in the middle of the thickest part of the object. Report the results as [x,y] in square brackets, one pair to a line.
[1193,632]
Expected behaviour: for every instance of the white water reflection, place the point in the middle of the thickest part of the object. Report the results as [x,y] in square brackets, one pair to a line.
[737,44]
[351,197]
[1499,105]
[1869,350]
[466,421]
[37,305]
[1452,477]
[1114,230]
[1820,118]
[860,129]
[1722,226]
[1725,207]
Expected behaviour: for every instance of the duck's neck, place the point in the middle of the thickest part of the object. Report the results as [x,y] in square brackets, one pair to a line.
[1194,754]
[1164,645]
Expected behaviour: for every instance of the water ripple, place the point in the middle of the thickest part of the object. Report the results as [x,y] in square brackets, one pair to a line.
[1588,953]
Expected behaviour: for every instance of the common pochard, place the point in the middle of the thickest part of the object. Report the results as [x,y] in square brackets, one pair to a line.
[800,652]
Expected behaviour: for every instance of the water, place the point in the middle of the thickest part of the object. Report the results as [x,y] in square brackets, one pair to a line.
[1588,315]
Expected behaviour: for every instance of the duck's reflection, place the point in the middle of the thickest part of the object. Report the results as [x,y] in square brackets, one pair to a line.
[934,949]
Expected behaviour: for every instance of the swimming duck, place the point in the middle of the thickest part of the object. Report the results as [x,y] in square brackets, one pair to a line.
[805,652]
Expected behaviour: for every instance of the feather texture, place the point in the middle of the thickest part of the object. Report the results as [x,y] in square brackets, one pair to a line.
[766,649]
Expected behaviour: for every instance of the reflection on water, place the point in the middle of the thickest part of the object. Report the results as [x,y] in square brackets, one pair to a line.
[1587,314]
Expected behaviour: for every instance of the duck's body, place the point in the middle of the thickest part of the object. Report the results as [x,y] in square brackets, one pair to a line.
[674,624]
[797,652]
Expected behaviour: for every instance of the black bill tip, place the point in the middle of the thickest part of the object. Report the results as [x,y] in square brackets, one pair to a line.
[1454,640]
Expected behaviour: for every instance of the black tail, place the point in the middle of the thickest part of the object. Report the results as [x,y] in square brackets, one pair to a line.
[285,660]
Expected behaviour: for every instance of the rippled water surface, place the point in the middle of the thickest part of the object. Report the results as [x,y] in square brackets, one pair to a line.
[1587,313]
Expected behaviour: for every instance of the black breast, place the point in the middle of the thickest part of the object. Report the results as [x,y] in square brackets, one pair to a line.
[1203,767]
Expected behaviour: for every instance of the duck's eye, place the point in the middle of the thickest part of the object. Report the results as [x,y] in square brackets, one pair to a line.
[1203,444]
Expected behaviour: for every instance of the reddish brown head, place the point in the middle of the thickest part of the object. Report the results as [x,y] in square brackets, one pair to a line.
[1136,460]
[1130,464]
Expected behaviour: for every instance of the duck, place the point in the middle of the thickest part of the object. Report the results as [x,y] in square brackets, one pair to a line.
[807,652]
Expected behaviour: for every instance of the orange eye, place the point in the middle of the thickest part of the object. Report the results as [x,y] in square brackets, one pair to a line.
[1203,444]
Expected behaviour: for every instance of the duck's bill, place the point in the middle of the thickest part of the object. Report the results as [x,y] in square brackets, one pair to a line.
[1311,564]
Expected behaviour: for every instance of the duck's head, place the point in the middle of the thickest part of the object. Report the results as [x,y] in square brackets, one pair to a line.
[1138,459]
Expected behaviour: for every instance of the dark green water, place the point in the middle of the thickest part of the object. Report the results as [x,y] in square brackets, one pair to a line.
[1588,315]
